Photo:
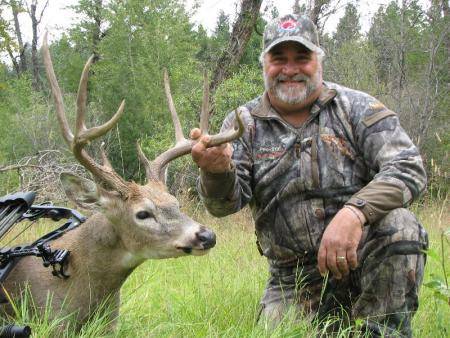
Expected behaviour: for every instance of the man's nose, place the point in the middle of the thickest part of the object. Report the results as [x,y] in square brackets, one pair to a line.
[291,69]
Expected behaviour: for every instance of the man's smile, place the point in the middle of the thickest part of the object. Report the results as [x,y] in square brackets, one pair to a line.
[292,83]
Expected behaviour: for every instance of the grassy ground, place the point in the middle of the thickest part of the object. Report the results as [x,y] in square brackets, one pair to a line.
[217,295]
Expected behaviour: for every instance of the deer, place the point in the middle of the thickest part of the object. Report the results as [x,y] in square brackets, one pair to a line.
[130,222]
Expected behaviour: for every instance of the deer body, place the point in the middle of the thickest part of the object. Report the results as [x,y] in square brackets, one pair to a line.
[94,268]
[105,250]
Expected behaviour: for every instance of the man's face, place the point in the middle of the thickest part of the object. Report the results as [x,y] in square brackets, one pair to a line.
[292,72]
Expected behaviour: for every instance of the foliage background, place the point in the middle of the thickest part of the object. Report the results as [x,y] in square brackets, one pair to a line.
[403,59]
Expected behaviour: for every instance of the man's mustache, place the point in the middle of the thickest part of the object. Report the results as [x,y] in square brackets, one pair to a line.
[298,78]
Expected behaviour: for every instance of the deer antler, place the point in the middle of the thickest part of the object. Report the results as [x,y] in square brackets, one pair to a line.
[82,136]
[183,146]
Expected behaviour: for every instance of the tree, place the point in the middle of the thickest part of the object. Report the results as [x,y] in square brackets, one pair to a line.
[318,9]
[240,35]
[213,47]
[297,8]
[35,21]
[17,7]
[348,28]
[89,29]
[142,39]
[7,42]
[411,58]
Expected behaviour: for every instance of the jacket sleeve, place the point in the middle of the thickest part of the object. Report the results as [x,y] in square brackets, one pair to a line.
[399,176]
[227,193]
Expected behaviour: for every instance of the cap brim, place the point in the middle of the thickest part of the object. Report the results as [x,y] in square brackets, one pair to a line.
[298,39]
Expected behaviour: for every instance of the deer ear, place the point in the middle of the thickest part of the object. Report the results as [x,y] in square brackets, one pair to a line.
[83,192]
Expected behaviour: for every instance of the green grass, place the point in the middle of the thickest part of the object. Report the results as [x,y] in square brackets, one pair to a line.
[217,295]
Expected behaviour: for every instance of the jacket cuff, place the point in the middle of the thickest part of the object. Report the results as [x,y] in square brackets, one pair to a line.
[217,185]
[377,199]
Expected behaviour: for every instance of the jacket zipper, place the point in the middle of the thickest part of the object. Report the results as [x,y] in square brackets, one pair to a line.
[297,147]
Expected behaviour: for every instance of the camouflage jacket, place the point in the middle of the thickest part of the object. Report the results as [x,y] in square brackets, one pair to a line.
[351,150]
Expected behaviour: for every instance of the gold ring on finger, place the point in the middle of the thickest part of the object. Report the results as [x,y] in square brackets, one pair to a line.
[341,258]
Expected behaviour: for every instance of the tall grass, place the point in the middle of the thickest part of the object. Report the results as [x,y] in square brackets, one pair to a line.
[217,295]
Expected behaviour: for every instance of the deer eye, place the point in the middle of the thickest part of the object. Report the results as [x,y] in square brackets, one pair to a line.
[143,214]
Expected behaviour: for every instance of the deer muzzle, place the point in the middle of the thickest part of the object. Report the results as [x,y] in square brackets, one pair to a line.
[203,240]
[206,238]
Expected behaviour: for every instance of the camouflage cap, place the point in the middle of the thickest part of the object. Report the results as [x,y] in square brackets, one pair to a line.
[291,27]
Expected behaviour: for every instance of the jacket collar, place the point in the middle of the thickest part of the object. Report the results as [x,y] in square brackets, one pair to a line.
[265,110]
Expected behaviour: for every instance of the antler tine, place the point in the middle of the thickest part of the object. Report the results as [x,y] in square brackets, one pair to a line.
[150,174]
[105,173]
[230,134]
[205,105]
[80,126]
[179,137]
[56,92]
[95,132]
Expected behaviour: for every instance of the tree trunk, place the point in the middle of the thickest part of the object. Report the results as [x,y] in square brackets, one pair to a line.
[34,56]
[240,35]
[297,9]
[13,59]
[316,9]
[401,77]
[446,15]
[96,34]
[35,21]
[15,7]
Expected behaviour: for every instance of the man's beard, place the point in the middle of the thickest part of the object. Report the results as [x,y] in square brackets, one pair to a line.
[292,94]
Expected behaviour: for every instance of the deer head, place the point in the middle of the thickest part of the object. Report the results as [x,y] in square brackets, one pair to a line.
[146,218]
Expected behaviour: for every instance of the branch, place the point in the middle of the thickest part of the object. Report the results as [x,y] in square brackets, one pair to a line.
[42,12]
[19,166]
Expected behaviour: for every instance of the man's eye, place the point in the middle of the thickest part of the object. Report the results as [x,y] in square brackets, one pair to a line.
[143,215]
[303,58]
[277,59]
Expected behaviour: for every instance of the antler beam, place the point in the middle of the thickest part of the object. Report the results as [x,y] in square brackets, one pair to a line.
[104,173]
[183,146]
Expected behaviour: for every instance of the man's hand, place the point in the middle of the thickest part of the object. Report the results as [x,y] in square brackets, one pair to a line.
[337,252]
[214,159]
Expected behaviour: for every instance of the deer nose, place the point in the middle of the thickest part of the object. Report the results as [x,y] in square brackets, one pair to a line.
[207,238]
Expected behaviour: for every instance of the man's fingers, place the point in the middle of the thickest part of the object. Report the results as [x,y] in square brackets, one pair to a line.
[195,133]
[201,145]
[322,261]
[205,140]
[211,159]
[341,262]
[199,150]
[352,259]
[332,266]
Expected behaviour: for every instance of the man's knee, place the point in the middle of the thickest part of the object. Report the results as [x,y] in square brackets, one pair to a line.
[397,234]
[400,226]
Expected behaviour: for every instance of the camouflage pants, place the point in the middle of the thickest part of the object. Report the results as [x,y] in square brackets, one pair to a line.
[382,291]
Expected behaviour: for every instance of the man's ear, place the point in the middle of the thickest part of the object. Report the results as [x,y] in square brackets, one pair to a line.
[83,192]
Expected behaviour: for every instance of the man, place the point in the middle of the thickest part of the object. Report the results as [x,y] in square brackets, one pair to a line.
[327,172]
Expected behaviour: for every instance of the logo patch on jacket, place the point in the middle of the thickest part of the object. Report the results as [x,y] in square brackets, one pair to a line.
[269,152]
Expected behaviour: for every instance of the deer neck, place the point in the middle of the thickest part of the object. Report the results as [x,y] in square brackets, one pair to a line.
[97,251]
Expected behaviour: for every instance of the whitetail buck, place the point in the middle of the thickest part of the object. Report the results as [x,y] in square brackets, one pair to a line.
[133,222]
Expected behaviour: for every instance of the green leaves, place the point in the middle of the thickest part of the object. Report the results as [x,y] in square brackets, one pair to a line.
[439,283]
[440,289]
